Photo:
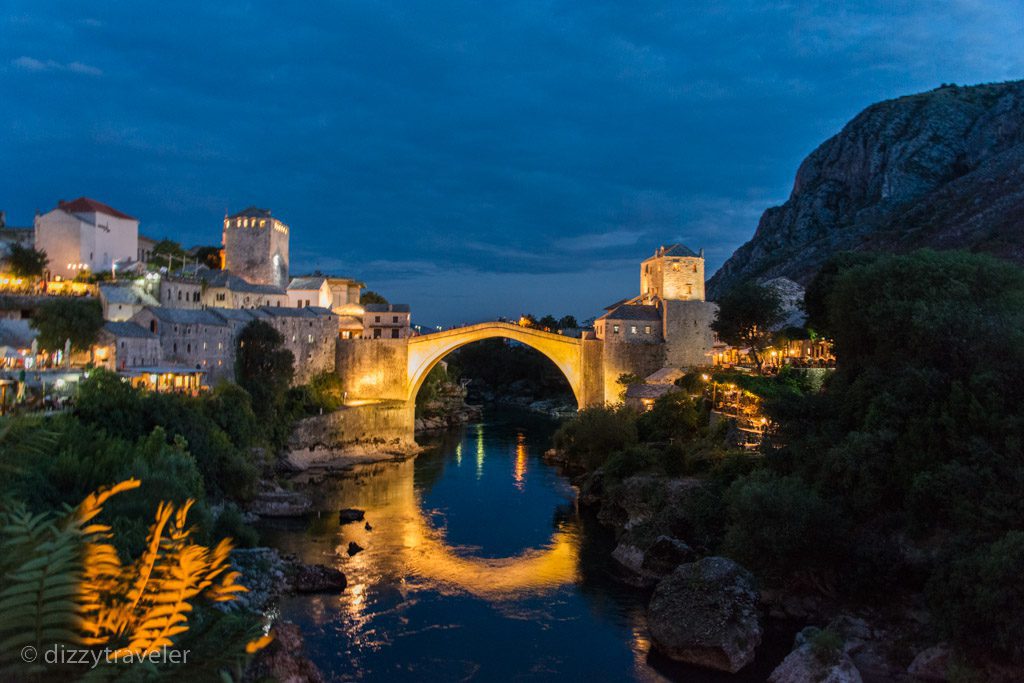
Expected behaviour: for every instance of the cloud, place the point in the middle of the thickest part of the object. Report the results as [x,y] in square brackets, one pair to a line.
[38,65]
[600,240]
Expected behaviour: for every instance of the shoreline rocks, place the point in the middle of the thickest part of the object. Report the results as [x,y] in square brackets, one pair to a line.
[705,613]
[284,659]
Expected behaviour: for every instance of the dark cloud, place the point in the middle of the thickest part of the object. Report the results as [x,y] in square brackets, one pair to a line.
[469,158]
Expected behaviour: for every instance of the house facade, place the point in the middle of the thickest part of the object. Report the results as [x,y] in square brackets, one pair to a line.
[86,235]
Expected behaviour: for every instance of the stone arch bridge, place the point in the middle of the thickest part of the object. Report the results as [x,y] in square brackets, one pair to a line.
[381,377]
[394,369]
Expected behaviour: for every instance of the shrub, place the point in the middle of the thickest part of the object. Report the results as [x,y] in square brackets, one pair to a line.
[590,437]
[778,525]
[976,593]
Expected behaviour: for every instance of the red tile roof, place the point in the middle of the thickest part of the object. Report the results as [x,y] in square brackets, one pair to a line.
[86,205]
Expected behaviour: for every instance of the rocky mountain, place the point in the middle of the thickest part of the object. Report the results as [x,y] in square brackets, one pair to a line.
[941,169]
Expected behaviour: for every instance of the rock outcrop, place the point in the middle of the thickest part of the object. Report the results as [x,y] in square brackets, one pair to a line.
[705,613]
[803,665]
[939,169]
[284,659]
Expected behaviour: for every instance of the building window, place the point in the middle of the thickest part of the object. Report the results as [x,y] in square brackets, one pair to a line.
[689,289]
[615,329]
[376,318]
[188,348]
[394,333]
[695,267]
[394,318]
[376,333]
[310,339]
[632,329]
[179,295]
[675,267]
[647,329]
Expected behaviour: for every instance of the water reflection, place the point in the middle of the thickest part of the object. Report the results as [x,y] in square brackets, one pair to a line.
[475,567]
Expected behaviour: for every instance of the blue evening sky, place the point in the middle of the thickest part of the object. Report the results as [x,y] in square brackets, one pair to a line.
[473,159]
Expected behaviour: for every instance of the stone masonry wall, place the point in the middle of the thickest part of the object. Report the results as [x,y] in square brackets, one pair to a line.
[373,368]
[636,359]
[688,334]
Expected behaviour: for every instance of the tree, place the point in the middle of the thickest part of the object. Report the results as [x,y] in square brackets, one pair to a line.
[79,320]
[746,315]
[26,261]
[820,288]
[168,252]
[548,322]
[567,322]
[209,257]
[263,367]
[371,297]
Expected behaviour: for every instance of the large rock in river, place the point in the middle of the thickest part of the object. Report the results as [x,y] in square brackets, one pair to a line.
[705,613]
[804,664]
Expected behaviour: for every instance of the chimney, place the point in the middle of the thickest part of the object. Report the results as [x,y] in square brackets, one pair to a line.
[702,252]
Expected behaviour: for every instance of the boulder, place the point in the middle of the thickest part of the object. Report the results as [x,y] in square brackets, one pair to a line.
[931,664]
[354,548]
[281,503]
[803,665]
[649,565]
[705,613]
[284,659]
[664,555]
[317,578]
[349,515]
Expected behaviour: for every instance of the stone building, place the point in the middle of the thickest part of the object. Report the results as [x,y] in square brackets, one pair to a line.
[386,321]
[339,294]
[256,247]
[178,291]
[673,273]
[124,344]
[668,325]
[145,249]
[122,301]
[195,338]
[86,235]
[205,339]
[224,289]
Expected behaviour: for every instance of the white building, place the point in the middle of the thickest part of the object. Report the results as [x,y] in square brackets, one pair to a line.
[85,234]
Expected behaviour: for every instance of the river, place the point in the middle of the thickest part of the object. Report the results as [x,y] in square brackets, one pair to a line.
[477,566]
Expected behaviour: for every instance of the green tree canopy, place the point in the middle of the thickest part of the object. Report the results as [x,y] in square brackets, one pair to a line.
[567,321]
[167,252]
[209,257]
[746,315]
[63,318]
[371,297]
[263,367]
[548,322]
[26,261]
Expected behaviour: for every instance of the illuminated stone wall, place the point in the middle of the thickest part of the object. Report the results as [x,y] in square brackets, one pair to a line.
[672,278]
[371,427]
[688,334]
[628,358]
[373,368]
[256,248]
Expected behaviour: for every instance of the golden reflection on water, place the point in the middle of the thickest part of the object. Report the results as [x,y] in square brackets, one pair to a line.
[519,473]
[404,549]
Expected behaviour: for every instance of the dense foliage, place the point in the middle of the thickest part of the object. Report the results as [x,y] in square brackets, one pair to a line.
[63,318]
[902,473]
[746,315]
[26,261]
[371,297]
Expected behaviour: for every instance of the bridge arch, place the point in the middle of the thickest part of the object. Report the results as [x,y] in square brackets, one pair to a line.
[565,352]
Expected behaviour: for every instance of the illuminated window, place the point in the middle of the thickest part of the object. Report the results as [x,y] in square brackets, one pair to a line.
[675,267]
[615,329]
[263,222]
[647,329]
[632,329]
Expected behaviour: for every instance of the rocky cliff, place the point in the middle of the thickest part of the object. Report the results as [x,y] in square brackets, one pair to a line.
[941,169]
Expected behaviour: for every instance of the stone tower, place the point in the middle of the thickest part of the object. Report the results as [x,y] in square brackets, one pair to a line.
[256,247]
[674,273]
[673,280]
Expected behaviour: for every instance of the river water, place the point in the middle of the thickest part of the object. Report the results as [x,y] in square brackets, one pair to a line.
[477,566]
